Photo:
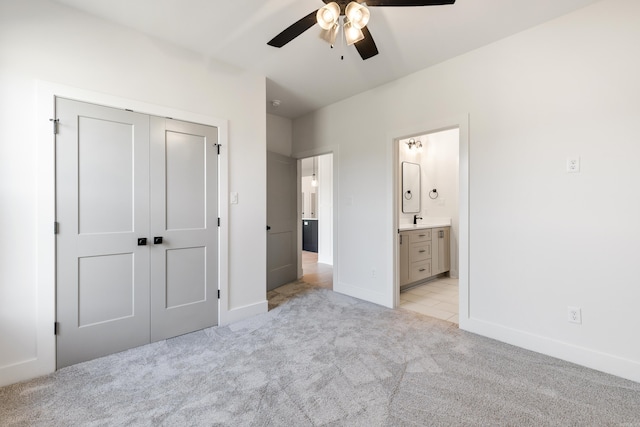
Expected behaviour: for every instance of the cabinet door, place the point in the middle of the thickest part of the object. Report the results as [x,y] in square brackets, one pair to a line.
[441,252]
[403,258]
[446,249]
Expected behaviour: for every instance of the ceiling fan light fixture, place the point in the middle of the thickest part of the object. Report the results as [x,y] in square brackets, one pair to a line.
[352,34]
[330,35]
[357,14]
[328,15]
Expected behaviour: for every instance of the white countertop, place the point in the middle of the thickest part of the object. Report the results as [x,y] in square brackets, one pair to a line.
[426,223]
[309,219]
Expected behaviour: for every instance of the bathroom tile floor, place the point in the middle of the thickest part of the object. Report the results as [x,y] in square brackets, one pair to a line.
[437,298]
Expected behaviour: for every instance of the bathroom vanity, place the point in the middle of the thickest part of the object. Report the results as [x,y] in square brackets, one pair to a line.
[424,252]
[310,234]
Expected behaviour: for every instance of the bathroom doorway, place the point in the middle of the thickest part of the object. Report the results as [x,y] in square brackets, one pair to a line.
[316,207]
[428,219]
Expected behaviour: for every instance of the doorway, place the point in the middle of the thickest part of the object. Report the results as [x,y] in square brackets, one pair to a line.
[316,206]
[428,223]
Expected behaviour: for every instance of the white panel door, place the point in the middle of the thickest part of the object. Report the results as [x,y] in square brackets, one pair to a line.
[282,242]
[102,207]
[184,214]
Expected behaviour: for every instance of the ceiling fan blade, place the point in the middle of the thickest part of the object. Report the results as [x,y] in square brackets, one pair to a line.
[366,47]
[409,2]
[294,30]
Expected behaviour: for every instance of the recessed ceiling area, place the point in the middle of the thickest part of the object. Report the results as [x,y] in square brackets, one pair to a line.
[307,73]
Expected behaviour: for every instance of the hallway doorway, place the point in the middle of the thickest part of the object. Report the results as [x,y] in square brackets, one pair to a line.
[316,204]
[315,222]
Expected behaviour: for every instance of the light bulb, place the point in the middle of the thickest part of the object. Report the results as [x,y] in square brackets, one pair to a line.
[314,181]
[328,15]
[351,33]
[357,14]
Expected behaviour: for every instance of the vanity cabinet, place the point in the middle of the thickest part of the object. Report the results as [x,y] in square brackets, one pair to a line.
[310,235]
[423,254]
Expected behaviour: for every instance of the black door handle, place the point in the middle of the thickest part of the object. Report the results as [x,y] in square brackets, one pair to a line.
[157,240]
[142,241]
[268,227]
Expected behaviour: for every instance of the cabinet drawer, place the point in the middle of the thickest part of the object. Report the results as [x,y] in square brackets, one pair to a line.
[420,236]
[419,271]
[419,252]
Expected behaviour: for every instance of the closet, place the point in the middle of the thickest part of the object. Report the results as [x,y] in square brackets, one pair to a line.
[137,229]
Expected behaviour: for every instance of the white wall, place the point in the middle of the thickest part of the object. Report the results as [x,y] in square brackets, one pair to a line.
[440,158]
[325,209]
[540,239]
[309,191]
[279,134]
[41,40]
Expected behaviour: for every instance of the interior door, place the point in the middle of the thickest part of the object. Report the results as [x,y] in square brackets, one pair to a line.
[282,257]
[102,208]
[184,227]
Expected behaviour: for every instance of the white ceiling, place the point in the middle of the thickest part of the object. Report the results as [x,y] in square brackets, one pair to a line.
[307,74]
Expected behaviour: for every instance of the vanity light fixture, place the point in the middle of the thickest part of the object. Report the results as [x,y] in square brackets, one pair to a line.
[414,143]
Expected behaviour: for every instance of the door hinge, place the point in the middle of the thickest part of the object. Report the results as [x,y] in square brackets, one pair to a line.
[218,293]
[218,222]
[55,125]
[218,145]
[56,227]
[56,328]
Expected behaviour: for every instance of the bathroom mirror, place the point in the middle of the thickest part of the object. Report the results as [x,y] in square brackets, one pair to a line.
[410,187]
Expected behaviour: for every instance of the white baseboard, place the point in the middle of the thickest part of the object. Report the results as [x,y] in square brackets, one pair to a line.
[24,371]
[363,294]
[608,363]
[244,312]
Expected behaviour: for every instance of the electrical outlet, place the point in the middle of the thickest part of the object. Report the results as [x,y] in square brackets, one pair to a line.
[573,164]
[574,314]
[373,272]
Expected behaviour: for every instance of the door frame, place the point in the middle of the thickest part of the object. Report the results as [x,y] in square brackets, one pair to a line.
[43,361]
[462,124]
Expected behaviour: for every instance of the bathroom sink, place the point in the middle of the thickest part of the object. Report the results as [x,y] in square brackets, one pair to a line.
[427,223]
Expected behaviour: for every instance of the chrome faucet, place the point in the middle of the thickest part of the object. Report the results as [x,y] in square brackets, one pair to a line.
[416,218]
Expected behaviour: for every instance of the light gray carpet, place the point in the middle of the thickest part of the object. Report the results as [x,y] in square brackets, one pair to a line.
[320,358]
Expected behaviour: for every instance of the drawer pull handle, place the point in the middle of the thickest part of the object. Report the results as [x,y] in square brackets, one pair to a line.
[422,251]
[421,235]
[422,269]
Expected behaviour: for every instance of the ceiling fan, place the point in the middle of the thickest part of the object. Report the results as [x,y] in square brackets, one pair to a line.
[356,17]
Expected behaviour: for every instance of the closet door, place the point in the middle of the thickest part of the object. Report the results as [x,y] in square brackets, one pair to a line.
[184,227]
[102,208]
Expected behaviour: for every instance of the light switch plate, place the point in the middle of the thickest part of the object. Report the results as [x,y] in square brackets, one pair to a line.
[234,198]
